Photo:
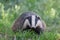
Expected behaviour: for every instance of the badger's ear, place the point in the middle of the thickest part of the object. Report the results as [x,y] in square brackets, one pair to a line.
[26,23]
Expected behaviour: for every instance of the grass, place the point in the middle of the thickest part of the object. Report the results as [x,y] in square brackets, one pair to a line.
[33,36]
[8,13]
[29,35]
[51,33]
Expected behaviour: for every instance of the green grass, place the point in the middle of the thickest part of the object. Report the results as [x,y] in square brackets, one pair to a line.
[33,36]
[48,10]
[29,35]
[52,32]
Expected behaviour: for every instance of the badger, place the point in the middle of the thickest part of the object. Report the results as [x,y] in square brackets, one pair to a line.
[29,20]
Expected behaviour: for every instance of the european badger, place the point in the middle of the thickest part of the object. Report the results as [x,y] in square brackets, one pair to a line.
[29,20]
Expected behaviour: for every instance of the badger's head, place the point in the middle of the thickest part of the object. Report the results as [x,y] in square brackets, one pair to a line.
[34,22]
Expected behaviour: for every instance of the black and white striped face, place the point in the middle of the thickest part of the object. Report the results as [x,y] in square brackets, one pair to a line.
[33,22]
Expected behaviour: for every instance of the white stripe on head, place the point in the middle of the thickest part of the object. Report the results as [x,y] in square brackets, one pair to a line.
[33,21]
[26,23]
[39,23]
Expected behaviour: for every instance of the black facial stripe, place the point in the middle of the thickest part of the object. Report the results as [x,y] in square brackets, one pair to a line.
[36,19]
[30,19]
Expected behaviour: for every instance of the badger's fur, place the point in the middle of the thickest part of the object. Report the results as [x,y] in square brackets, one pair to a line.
[29,20]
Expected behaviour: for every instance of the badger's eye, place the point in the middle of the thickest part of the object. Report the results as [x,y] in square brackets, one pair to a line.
[38,17]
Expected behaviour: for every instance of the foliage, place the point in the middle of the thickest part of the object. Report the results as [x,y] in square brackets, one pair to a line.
[49,10]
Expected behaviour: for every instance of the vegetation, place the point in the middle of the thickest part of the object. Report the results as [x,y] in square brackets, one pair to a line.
[49,10]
